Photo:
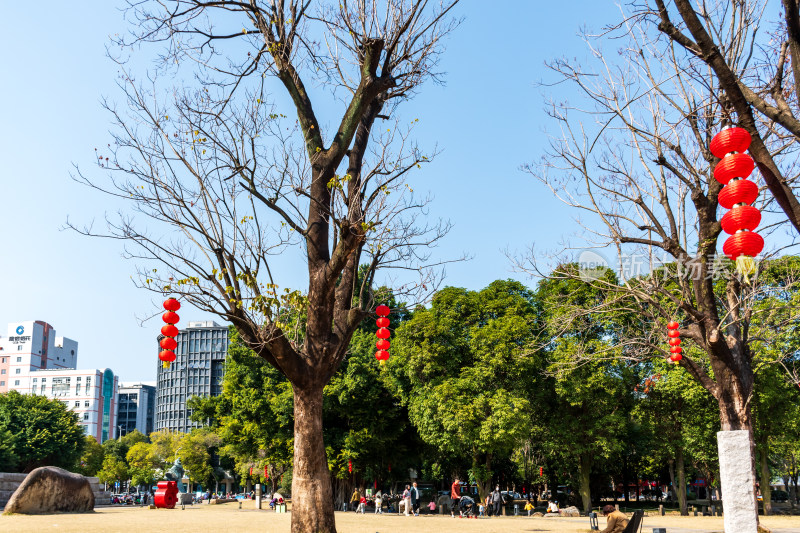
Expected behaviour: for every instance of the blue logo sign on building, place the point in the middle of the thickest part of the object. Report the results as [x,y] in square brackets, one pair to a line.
[20,330]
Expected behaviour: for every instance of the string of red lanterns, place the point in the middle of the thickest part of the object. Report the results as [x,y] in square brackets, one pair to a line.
[383,334]
[674,341]
[168,343]
[737,195]
[350,466]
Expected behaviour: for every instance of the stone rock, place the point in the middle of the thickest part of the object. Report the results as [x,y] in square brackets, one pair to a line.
[537,514]
[52,490]
[571,511]
[184,498]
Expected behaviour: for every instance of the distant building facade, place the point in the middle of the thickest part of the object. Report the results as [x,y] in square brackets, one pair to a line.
[31,346]
[136,408]
[34,361]
[197,371]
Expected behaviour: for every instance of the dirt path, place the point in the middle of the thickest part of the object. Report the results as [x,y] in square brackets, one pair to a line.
[228,517]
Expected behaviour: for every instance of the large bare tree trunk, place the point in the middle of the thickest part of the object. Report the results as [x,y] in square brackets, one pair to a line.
[312,499]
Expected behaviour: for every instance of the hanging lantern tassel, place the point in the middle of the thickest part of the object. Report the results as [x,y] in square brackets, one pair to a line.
[168,343]
[383,334]
[674,341]
[744,244]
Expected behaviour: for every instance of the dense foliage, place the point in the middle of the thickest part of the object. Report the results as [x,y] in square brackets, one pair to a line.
[36,431]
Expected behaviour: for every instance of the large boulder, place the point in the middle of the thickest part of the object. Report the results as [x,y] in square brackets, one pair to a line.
[51,490]
[570,511]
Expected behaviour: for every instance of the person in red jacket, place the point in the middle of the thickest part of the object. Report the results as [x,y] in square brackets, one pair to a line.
[455,495]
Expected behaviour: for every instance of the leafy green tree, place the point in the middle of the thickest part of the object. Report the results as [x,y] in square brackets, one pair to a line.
[142,464]
[91,460]
[113,470]
[195,452]
[465,372]
[45,432]
[8,455]
[592,399]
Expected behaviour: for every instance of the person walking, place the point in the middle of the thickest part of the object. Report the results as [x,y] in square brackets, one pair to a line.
[378,503]
[407,499]
[497,501]
[354,499]
[455,495]
[415,499]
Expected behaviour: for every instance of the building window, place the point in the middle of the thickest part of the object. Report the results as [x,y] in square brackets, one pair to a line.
[19,349]
[86,404]
[35,379]
[18,371]
[16,382]
[4,359]
[78,378]
[3,371]
[86,416]
[2,383]
[19,359]
[77,404]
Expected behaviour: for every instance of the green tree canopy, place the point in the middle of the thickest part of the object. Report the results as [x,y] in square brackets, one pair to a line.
[466,372]
[45,432]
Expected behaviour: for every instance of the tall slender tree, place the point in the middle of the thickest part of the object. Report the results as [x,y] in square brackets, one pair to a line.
[230,181]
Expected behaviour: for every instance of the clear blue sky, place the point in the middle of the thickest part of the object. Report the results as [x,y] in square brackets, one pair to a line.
[488,120]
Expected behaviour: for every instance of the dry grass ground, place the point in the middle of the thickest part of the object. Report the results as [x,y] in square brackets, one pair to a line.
[228,517]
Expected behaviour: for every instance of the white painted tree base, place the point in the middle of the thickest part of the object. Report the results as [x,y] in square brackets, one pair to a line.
[736,478]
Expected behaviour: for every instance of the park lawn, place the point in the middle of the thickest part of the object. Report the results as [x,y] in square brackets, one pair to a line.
[228,517]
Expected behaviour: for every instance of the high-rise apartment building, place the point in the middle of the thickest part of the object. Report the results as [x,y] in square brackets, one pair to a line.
[197,371]
[34,361]
[137,405]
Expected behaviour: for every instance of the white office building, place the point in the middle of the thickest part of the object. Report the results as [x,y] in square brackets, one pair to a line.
[34,361]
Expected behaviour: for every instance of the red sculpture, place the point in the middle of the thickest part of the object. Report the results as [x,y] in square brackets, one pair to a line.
[167,495]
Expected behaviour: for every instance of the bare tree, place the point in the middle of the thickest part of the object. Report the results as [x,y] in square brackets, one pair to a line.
[221,182]
[632,155]
[749,86]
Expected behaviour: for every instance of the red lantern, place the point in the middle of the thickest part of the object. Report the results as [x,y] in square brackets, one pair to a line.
[745,243]
[382,310]
[741,217]
[676,349]
[167,356]
[168,330]
[541,470]
[350,466]
[172,304]
[730,140]
[674,333]
[383,333]
[382,355]
[382,322]
[168,343]
[676,341]
[675,357]
[170,318]
[733,166]
[738,192]
[673,325]
[383,344]
[266,474]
